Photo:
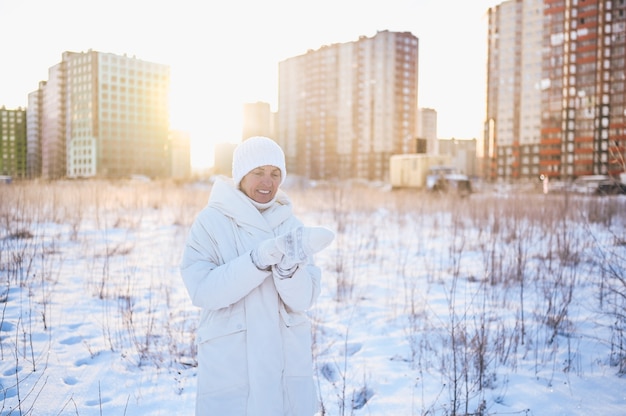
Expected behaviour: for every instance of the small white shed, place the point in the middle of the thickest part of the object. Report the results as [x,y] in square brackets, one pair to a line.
[410,170]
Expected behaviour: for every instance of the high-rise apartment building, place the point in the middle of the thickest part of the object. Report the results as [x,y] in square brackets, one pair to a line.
[584,123]
[104,115]
[512,131]
[427,129]
[344,109]
[13,142]
[555,88]
[34,133]
[53,122]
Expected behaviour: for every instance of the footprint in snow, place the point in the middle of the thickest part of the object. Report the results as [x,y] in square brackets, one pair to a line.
[12,371]
[361,397]
[71,340]
[329,371]
[83,361]
[8,393]
[98,402]
[353,348]
[70,381]
[6,326]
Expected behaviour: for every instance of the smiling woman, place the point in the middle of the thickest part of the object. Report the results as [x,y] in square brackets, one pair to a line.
[248,263]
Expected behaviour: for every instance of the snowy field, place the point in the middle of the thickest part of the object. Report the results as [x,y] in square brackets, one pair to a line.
[497,304]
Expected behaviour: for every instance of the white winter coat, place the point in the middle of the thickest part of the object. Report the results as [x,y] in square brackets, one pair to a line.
[254,337]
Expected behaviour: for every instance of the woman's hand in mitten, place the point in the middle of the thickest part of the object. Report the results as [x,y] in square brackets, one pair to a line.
[266,254]
[301,242]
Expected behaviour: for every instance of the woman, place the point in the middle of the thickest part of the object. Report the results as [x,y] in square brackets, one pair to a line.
[248,264]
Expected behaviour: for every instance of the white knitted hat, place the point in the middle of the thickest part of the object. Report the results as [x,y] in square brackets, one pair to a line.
[254,152]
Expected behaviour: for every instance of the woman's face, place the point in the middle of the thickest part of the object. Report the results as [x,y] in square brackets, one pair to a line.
[261,184]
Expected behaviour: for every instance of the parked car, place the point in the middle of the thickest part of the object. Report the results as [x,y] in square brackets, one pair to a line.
[611,187]
[597,185]
[446,179]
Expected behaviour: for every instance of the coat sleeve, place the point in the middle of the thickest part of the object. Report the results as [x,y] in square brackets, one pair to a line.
[300,291]
[211,281]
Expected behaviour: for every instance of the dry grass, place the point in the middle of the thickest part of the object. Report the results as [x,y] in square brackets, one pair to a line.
[530,254]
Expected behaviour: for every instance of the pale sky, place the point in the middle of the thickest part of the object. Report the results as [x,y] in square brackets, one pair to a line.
[223,54]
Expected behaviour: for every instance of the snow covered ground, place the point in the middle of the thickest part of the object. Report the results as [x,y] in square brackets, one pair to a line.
[497,304]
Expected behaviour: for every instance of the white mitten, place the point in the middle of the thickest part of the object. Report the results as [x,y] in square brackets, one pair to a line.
[301,242]
[285,269]
[266,254]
